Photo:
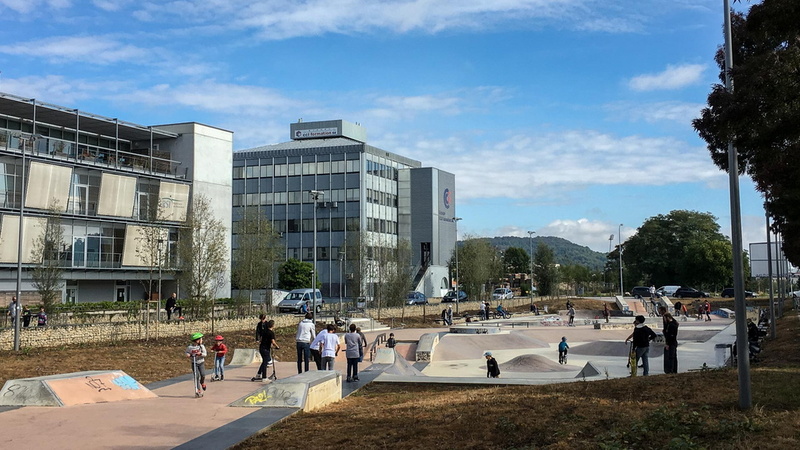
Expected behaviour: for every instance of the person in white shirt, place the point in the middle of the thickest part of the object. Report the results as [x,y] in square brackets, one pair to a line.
[305,334]
[330,347]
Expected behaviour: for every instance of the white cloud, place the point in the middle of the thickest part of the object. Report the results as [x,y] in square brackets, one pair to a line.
[27,6]
[82,49]
[57,89]
[673,77]
[659,112]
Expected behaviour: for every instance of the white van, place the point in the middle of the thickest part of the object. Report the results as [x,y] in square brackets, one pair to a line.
[295,299]
[669,291]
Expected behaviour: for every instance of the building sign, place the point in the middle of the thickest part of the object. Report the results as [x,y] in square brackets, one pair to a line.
[316,133]
[446,198]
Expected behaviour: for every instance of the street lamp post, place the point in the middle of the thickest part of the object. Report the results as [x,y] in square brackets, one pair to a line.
[619,240]
[315,195]
[605,274]
[160,255]
[458,281]
[530,241]
[341,269]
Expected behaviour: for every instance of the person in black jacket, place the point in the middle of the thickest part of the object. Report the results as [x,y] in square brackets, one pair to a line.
[670,344]
[492,368]
[641,336]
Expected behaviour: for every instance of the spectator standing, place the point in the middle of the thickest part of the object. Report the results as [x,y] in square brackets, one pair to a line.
[26,316]
[641,336]
[482,311]
[487,309]
[708,311]
[606,312]
[353,352]
[330,347]
[571,314]
[305,335]
[219,358]
[670,344]
[361,345]
[449,315]
[13,310]
[266,338]
[391,342]
[492,368]
[41,318]
[652,293]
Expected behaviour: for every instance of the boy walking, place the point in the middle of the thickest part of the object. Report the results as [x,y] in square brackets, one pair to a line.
[492,368]
[196,353]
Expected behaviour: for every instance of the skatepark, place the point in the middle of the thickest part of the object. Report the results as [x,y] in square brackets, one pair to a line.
[81,411]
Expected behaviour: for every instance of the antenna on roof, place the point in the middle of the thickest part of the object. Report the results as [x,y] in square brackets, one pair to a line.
[300,120]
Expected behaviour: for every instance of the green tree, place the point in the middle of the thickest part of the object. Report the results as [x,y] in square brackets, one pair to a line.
[48,274]
[478,265]
[255,252]
[761,117]
[545,272]
[202,252]
[295,274]
[517,260]
[682,247]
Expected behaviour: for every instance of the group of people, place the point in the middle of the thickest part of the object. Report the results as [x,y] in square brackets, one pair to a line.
[25,314]
[323,347]
[640,340]
[485,309]
[196,353]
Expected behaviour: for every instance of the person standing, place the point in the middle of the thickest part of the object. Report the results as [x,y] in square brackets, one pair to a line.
[670,344]
[449,315]
[266,338]
[606,312]
[219,358]
[652,293]
[196,353]
[362,344]
[13,310]
[571,314]
[391,342]
[492,368]
[330,347]
[353,352]
[707,308]
[641,336]
[41,318]
[26,316]
[305,334]
[482,311]
[488,309]
[316,348]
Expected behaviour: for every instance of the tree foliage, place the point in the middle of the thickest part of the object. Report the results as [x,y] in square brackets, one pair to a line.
[478,265]
[202,252]
[516,260]
[256,251]
[761,117]
[48,274]
[682,247]
[545,272]
[295,274]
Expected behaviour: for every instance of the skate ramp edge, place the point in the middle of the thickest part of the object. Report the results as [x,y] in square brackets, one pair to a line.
[427,343]
[97,386]
[245,357]
[589,370]
[306,391]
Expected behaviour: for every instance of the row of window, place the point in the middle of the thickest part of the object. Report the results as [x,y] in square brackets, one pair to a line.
[381,170]
[307,253]
[294,197]
[381,198]
[323,224]
[283,170]
[381,225]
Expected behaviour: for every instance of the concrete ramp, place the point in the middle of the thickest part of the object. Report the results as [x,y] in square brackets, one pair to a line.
[533,363]
[99,386]
[307,391]
[245,357]
[384,356]
[589,370]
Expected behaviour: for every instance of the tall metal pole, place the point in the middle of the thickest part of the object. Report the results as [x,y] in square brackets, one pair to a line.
[315,195]
[619,243]
[530,241]
[20,233]
[745,397]
[605,275]
[458,280]
[769,275]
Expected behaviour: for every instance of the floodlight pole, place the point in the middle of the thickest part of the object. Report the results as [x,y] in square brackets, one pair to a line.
[742,345]
[619,242]
[315,195]
[605,273]
[458,281]
[530,241]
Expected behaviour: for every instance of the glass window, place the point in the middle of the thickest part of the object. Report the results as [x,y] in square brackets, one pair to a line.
[308,253]
[293,225]
[353,224]
[281,170]
[337,224]
[238,172]
[266,171]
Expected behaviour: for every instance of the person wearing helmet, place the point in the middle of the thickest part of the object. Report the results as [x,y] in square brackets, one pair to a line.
[196,352]
[492,368]
[563,348]
[219,358]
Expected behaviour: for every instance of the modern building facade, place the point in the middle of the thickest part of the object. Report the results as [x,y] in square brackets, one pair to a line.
[108,184]
[385,197]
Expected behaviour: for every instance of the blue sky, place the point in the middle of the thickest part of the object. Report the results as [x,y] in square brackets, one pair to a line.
[563,117]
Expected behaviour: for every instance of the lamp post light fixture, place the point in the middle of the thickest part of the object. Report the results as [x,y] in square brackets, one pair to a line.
[619,240]
[458,281]
[315,196]
[530,241]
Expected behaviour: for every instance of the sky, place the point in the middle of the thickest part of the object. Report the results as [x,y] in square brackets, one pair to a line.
[569,118]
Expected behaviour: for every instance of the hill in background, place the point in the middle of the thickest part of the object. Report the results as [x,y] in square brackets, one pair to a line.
[565,252]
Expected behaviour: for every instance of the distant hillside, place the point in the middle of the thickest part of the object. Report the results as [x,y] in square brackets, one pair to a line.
[565,251]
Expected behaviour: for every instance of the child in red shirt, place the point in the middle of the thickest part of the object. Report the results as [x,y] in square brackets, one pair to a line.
[219,359]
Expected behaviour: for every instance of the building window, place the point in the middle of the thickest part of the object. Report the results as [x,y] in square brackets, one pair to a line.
[353,224]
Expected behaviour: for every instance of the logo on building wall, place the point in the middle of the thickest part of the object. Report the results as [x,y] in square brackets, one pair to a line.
[446,198]
[316,133]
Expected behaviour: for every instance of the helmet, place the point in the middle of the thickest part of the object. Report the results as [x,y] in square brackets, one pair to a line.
[487,353]
[219,338]
[197,336]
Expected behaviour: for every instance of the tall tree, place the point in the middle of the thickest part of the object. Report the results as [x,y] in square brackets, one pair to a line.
[761,117]
[255,252]
[478,265]
[517,260]
[48,274]
[295,274]
[202,252]
[682,247]
[545,272]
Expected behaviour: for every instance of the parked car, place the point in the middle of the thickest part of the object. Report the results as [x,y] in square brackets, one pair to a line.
[294,300]
[641,292]
[451,297]
[687,292]
[669,290]
[502,294]
[416,298]
[728,292]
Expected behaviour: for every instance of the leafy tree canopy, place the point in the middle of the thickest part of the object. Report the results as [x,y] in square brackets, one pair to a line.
[295,274]
[761,117]
[545,273]
[517,260]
